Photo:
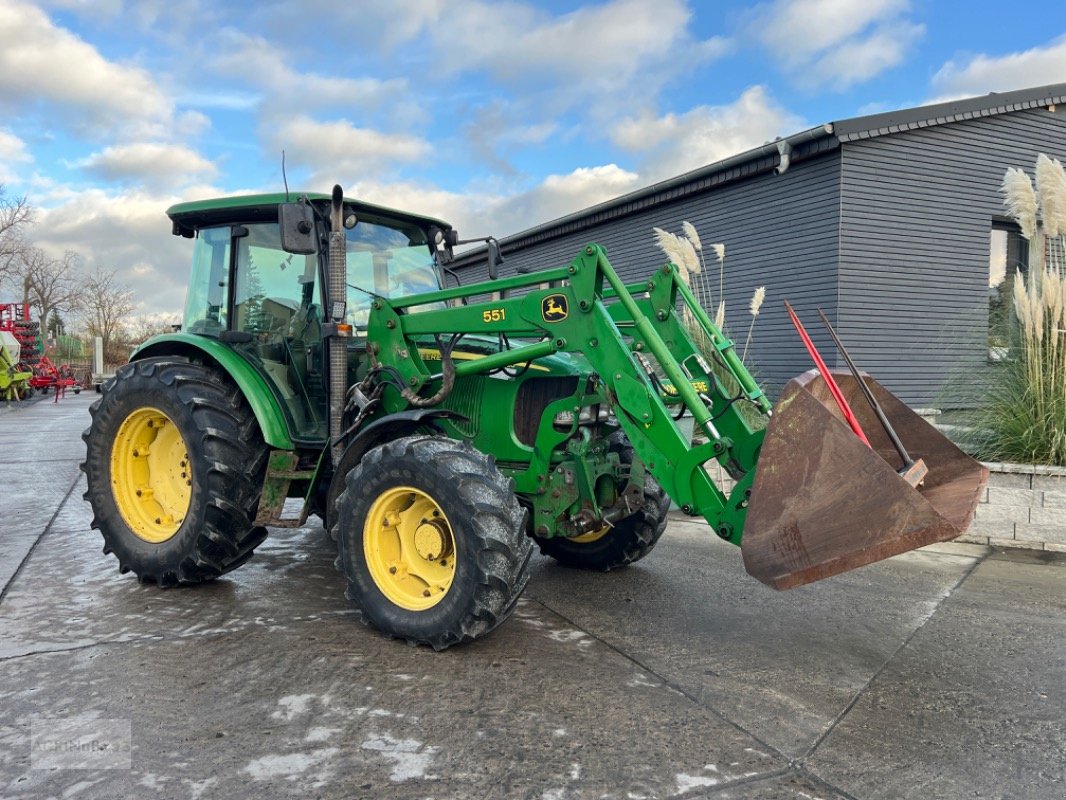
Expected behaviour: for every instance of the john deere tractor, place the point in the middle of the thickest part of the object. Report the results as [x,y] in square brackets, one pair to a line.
[440,433]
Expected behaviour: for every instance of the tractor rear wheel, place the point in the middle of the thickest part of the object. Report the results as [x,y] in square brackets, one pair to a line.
[432,541]
[628,541]
[175,463]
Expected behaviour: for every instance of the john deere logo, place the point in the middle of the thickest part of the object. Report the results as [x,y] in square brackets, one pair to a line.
[554,308]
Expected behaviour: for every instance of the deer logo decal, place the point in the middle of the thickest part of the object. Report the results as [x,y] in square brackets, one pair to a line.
[554,308]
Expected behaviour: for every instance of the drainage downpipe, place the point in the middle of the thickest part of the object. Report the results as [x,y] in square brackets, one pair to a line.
[784,151]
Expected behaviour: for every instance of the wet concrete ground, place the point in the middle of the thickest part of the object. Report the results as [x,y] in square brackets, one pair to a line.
[939,674]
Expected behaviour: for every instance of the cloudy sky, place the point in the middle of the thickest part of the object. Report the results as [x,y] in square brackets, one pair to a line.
[494,115]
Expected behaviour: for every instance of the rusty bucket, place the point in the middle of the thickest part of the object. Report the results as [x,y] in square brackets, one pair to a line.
[823,502]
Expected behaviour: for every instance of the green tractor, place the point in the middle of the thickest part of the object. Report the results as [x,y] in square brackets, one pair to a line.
[440,433]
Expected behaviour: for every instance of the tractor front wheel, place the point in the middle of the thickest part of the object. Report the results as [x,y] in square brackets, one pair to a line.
[175,463]
[432,541]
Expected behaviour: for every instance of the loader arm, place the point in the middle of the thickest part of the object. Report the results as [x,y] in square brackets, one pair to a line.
[645,362]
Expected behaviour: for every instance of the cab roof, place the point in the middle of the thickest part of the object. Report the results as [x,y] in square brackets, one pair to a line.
[190,217]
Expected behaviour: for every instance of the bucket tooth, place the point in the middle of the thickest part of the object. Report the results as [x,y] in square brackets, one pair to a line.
[823,502]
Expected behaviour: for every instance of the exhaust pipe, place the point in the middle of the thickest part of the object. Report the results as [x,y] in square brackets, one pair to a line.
[337,285]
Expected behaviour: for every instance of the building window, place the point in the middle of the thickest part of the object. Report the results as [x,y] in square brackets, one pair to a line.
[1008,258]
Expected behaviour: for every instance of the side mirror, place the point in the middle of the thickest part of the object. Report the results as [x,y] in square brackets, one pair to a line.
[297,224]
[495,259]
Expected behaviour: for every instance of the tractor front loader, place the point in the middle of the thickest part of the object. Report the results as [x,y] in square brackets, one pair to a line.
[440,434]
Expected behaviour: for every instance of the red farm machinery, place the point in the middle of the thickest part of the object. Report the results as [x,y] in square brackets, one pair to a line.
[25,336]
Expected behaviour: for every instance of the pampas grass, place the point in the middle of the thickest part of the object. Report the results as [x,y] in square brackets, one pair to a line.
[756,305]
[1023,416]
[692,234]
[670,244]
[1051,191]
[1020,199]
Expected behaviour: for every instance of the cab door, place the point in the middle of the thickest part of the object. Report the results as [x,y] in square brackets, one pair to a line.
[276,303]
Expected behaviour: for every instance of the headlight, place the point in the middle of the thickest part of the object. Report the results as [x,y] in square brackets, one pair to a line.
[586,416]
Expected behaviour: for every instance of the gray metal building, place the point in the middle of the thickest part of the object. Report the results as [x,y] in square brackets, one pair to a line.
[885,222]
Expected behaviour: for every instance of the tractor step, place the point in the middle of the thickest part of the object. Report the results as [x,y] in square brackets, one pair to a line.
[281,472]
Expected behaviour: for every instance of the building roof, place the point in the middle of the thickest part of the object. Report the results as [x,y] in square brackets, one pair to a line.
[988,105]
[778,154]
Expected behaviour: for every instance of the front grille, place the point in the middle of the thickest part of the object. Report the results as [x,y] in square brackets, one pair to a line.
[534,395]
[466,399]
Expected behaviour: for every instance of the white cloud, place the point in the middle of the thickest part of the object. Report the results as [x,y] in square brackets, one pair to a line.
[836,42]
[284,90]
[151,163]
[12,152]
[340,150]
[128,232]
[559,195]
[676,143]
[985,73]
[603,44]
[41,61]
[861,58]
[478,211]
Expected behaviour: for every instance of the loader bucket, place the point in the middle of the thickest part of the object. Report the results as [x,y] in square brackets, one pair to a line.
[823,502]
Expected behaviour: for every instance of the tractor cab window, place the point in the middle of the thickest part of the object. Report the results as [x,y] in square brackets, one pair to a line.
[390,261]
[274,300]
[207,298]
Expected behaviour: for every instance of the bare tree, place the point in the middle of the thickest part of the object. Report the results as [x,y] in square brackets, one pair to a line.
[51,284]
[106,304]
[145,326]
[15,215]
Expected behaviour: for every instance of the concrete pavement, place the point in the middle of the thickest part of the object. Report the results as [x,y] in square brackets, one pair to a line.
[939,674]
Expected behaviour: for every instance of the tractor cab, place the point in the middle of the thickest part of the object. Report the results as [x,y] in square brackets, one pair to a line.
[267,303]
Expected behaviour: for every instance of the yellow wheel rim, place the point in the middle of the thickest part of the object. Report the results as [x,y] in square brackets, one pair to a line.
[591,536]
[409,548]
[151,477]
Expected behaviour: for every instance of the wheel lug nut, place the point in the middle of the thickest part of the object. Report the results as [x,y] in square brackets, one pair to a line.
[392,570]
[425,592]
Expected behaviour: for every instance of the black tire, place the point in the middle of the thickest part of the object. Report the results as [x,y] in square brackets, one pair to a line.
[491,548]
[629,540]
[227,460]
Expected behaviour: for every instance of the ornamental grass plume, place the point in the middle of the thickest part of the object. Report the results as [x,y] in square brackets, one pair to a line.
[719,250]
[1020,200]
[688,253]
[756,305]
[1051,191]
[692,234]
[701,290]
[670,244]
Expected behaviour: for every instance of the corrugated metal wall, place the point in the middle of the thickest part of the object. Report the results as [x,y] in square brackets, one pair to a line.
[779,231]
[917,210]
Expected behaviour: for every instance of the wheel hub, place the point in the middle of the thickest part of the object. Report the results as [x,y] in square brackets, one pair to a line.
[432,539]
[151,474]
[409,548]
